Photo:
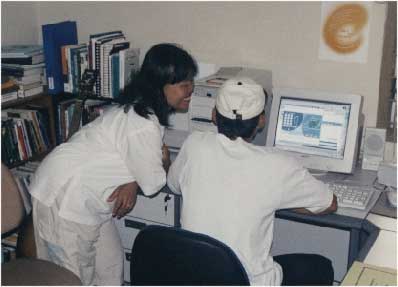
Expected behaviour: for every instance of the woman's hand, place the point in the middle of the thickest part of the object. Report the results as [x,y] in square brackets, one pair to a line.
[126,197]
[166,157]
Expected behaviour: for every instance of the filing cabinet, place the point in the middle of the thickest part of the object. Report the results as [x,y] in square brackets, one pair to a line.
[162,209]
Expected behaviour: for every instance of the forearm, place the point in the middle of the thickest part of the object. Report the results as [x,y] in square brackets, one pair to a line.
[332,208]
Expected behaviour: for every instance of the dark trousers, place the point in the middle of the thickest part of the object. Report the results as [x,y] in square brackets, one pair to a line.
[305,269]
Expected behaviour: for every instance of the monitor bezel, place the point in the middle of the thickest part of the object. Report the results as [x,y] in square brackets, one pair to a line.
[316,162]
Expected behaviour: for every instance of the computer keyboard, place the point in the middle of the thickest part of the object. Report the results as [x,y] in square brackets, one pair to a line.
[352,196]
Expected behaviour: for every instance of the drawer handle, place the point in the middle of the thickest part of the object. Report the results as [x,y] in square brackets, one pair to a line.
[134,224]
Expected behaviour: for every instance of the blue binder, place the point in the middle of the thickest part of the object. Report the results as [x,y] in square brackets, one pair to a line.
[54,37]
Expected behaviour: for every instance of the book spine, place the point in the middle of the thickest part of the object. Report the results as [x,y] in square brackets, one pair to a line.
[23,155]
[97,62]
[26,139]
[115,75]
[14,140]
[30,137]
[38,131]
[32,60]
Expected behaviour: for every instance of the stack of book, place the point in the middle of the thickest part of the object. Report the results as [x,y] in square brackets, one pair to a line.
[112,57]
[108,53]
[23,175]
[25,65]
[65,111]
[91,110]
[74,60]
[9,89]
[24,134]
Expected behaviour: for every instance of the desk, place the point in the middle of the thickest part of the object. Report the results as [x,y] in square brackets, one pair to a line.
[339,237]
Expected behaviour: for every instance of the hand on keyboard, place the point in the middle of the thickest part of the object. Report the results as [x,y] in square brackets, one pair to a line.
[351,196]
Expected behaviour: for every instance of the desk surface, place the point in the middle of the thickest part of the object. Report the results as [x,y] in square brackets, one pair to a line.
[384,250]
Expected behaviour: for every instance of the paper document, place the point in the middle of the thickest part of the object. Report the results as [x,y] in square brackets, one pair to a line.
[361,274]
[200,114]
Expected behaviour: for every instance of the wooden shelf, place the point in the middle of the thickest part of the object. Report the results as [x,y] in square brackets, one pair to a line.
[22,101]
[37,157]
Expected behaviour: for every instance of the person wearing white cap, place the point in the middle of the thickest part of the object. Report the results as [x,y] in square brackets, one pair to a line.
[232,188]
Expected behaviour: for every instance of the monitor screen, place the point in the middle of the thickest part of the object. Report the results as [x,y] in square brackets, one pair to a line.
[319,128]
[312,127]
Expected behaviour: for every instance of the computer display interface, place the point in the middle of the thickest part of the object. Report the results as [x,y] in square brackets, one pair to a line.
[318,128]
[312,127]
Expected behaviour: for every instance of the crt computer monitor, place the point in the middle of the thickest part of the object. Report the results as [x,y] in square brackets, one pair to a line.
[319,128]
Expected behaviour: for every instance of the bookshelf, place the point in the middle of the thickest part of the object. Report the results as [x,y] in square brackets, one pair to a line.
[42,101]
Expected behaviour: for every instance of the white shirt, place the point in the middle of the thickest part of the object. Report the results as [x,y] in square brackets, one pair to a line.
[115,149]
[231,190]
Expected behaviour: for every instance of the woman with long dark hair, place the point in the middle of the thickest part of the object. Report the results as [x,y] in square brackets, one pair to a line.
[82,183]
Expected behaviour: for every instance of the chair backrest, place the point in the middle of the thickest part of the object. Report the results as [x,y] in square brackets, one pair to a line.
[12,208]
[173,256]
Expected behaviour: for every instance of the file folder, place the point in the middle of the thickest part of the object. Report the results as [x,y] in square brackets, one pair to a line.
[54,37]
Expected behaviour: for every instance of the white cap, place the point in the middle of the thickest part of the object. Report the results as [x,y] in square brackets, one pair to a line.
[240,96]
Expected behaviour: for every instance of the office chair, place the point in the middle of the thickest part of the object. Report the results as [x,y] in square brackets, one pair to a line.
[25,271]
[172,256]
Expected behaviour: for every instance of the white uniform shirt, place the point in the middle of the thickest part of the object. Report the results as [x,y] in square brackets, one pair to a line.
[115,149]
[231,190]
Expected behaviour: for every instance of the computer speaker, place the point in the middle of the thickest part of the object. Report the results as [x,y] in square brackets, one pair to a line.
[373,148]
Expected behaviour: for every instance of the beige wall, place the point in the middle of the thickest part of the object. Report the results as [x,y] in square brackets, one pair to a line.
[19,23]
[280,36]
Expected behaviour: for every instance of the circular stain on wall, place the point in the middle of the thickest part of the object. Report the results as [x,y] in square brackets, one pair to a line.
[342,31]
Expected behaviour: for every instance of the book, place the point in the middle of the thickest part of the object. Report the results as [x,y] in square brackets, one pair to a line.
[63,119]
[26,80]
[9,86]
[11,240]
[21,119]
[10,96]
[9,142]
[115,83]
[93,39]
[73,66]
[76,72]
[42,116]
[30,92]
[15,70]
[30,86]
[128,62]
[23,67]
[31,119]
[99,60]
[54,37]
[65,67]
[31,60]
[105,73]
[20,51]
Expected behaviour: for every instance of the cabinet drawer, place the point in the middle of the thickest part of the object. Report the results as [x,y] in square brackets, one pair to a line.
[129,227]
[154,209]
[127,260]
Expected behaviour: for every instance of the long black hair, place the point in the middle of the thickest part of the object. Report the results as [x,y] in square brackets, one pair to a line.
[163,64]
